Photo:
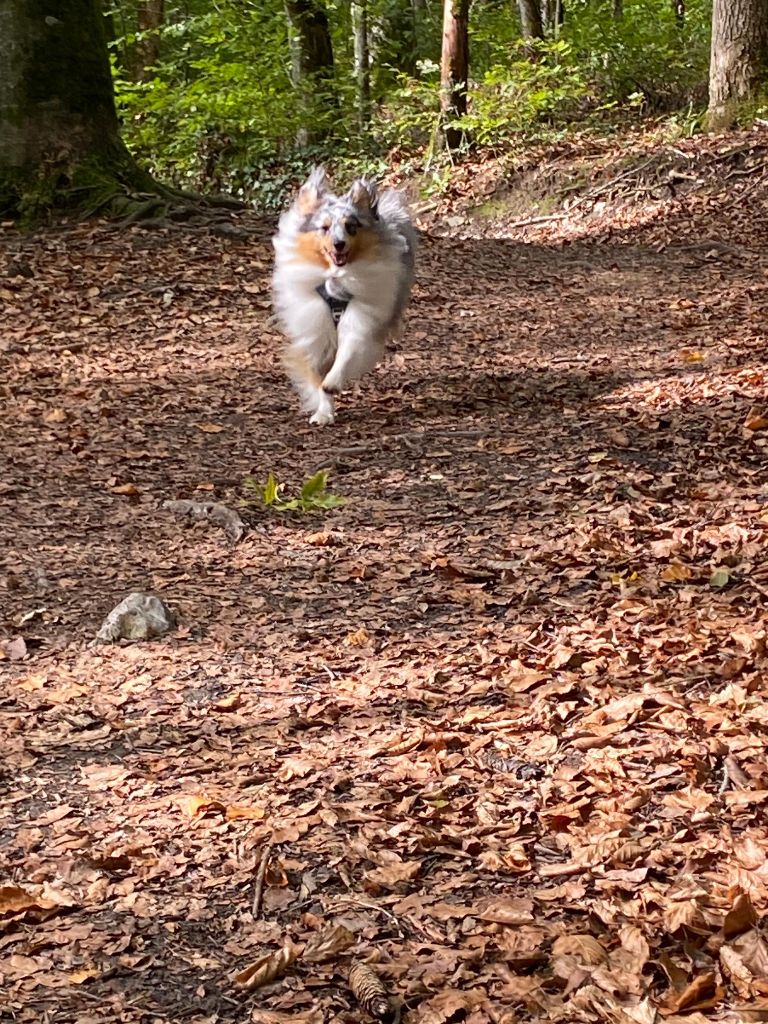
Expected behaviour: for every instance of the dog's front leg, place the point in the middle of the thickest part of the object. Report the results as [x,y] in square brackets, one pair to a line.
[358,348]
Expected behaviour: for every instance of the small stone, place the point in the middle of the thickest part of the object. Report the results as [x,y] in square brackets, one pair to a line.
[138,617]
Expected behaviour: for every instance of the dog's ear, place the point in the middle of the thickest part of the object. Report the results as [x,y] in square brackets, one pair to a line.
[312,191]
[364,195]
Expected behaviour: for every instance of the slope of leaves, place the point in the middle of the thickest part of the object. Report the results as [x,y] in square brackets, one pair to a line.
[494,728]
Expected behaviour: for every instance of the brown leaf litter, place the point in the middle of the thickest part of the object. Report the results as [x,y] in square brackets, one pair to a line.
[493,731]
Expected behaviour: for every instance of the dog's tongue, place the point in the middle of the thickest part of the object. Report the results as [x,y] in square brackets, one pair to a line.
[340,259]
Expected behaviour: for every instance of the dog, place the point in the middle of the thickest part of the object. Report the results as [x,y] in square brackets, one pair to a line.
[343,275]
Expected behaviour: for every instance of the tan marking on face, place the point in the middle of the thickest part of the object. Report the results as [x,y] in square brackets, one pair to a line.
[359,246]
[309,249]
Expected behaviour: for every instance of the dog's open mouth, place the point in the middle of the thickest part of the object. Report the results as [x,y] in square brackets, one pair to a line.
[340,258]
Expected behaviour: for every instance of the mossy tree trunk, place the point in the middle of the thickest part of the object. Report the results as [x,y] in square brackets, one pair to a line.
[738,58]
[58,126]
[454,68]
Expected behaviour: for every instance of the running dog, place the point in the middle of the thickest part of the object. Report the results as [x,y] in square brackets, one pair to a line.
[343,276]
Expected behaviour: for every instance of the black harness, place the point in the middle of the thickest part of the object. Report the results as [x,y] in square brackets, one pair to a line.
[335,304]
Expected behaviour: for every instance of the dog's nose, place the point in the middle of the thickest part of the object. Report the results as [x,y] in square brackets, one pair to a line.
[339,244]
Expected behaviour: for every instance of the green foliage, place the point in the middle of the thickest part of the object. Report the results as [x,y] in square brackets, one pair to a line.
[646,58]
[222,113]
[313,497]
[520,95]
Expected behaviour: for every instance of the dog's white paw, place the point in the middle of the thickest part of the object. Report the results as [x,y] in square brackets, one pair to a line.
[322,417]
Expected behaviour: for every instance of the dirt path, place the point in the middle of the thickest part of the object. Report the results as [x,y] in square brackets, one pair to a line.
[502,714]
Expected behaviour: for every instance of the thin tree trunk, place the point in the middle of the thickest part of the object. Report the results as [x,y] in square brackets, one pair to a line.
[454,68]
[530,19]
[618,9]
[362,60]
[738,56]
[150,21]
[313,50]
[678,9]
[312,55]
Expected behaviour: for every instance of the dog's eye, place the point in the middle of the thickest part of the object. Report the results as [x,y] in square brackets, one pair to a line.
[352,227]
[325,228]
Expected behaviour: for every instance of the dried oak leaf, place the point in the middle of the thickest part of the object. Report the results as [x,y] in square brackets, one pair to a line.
[17,901]
[237,812]
[195,806]
[752,949]
[582,947]
[741,917]
[267,968]
[702,994]
[328,943]
[358,638]
[451,1004]
[401,743]
[369,991]
[390,876]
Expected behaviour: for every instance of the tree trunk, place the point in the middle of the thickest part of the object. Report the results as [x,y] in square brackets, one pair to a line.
[454,68]
[362,60]
[738,56]
[58,126]
[313,49]
[618,9]
[552,16]
[150,21]
[678,9]
[312,53]
[530,19]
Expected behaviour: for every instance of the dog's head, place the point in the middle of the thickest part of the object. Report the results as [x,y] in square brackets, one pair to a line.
[337,229]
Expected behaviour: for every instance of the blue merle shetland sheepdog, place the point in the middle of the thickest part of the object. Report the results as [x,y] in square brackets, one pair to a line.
[343,275]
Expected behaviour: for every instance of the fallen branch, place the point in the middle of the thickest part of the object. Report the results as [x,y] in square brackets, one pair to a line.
[260,876]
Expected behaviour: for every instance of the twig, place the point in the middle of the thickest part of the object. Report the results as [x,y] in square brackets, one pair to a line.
[537,220]
[600,189]
[742,195]
[377,908]
[744,171]
[260,875]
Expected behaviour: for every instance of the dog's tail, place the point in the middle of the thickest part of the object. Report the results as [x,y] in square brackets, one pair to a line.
[392,208]
[396,217]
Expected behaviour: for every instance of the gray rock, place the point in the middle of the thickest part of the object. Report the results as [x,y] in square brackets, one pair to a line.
[138,617]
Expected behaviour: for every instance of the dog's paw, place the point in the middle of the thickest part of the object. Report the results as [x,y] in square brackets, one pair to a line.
[332,385]
[322,418]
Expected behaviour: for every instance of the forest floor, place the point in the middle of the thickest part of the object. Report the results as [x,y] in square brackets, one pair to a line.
[496,727]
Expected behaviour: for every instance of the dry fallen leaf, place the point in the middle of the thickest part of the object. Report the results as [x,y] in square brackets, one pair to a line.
[237,812]
[56,415]
[328,943]
[129,489]
[194,806]
[267,968]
